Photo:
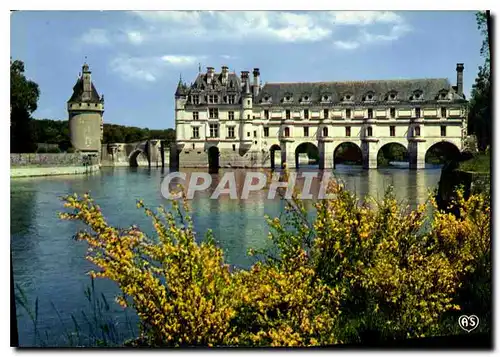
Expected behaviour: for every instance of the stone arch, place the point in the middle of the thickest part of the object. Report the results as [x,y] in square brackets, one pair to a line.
[392,152]
[138,157]
[310,149]
[213,158]
[442,152]
[347,152]
[272,153]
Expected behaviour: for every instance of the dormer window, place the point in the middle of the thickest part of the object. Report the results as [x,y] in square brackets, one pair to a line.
[325,98]
[288,98]
[392,95]
[417,95]
[443,95]
[370,96]
[266,99]
[213,99]
[347,97]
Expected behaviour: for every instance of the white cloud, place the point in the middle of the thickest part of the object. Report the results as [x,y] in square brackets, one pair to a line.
[149,69]
[135,37]
[346,45]
[96,37]
[237,25]
[345,29]
[180,60]
[363,18]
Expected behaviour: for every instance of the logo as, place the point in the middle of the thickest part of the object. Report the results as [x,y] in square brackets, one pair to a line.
[468,323]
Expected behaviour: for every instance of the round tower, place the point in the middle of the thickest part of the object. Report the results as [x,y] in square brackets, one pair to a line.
[85,114]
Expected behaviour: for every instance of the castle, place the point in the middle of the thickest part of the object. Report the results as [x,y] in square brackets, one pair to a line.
[226,120]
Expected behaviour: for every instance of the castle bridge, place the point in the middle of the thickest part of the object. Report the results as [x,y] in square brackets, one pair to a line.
[248,123]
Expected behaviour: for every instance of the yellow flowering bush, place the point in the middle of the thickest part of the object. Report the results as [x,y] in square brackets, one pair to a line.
[357,271]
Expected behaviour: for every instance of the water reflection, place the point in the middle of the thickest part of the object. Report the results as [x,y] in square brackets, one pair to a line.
[51,266]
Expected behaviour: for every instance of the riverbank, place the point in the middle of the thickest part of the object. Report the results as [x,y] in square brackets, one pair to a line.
[29,165]
[32,171]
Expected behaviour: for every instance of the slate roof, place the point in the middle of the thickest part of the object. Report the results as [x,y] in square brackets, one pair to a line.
[201,82]
[78,92]
[405,89]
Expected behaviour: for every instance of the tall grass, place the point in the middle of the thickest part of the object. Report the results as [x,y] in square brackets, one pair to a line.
[96,326]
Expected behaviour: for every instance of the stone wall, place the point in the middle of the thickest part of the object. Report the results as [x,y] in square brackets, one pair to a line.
[227,158]
[32,171]
[52,160]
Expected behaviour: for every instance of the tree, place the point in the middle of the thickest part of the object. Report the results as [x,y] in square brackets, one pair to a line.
[24,96]
[479,121]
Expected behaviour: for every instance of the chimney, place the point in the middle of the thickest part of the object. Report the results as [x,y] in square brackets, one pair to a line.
[256,88]
[210,74]
[460,79]
[225,73]
[244,78]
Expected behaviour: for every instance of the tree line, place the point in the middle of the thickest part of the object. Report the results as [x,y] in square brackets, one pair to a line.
[26,131]
[57,132]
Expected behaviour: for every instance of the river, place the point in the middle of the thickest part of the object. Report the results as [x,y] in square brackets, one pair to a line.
[49,265]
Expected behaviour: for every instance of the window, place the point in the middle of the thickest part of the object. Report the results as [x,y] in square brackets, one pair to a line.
[443,112]
[248,102]
[266,114]
[193,146]
[195,116]
[230,132]
[325,132]
[231,98]
[392,129]
[248,133]
[196,132]
[347,131]
[370,113]
[230,115]
[306,113]
[287,132]
[393,112]
[443,130]
[213,99]
[306,131]
[417,112]
[417,131]
[255,133]
[248,116]
[287,114]
[213,113]
[369,131]
[266,132]
[196,99]
[348,113]
[325,113]
[234,146]
[214,130]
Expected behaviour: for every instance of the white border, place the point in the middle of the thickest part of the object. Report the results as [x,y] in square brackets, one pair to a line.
[192,5]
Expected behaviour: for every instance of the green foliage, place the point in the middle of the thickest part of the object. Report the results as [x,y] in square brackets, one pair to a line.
[57,132]
[391,152]
[479,163]
[360,271]
[122,134]
[24,95]
[479,120]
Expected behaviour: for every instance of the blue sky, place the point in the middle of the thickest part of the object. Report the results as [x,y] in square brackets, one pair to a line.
[136,57]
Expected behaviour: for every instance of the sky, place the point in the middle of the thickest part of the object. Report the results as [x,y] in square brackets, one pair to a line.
[136,58]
